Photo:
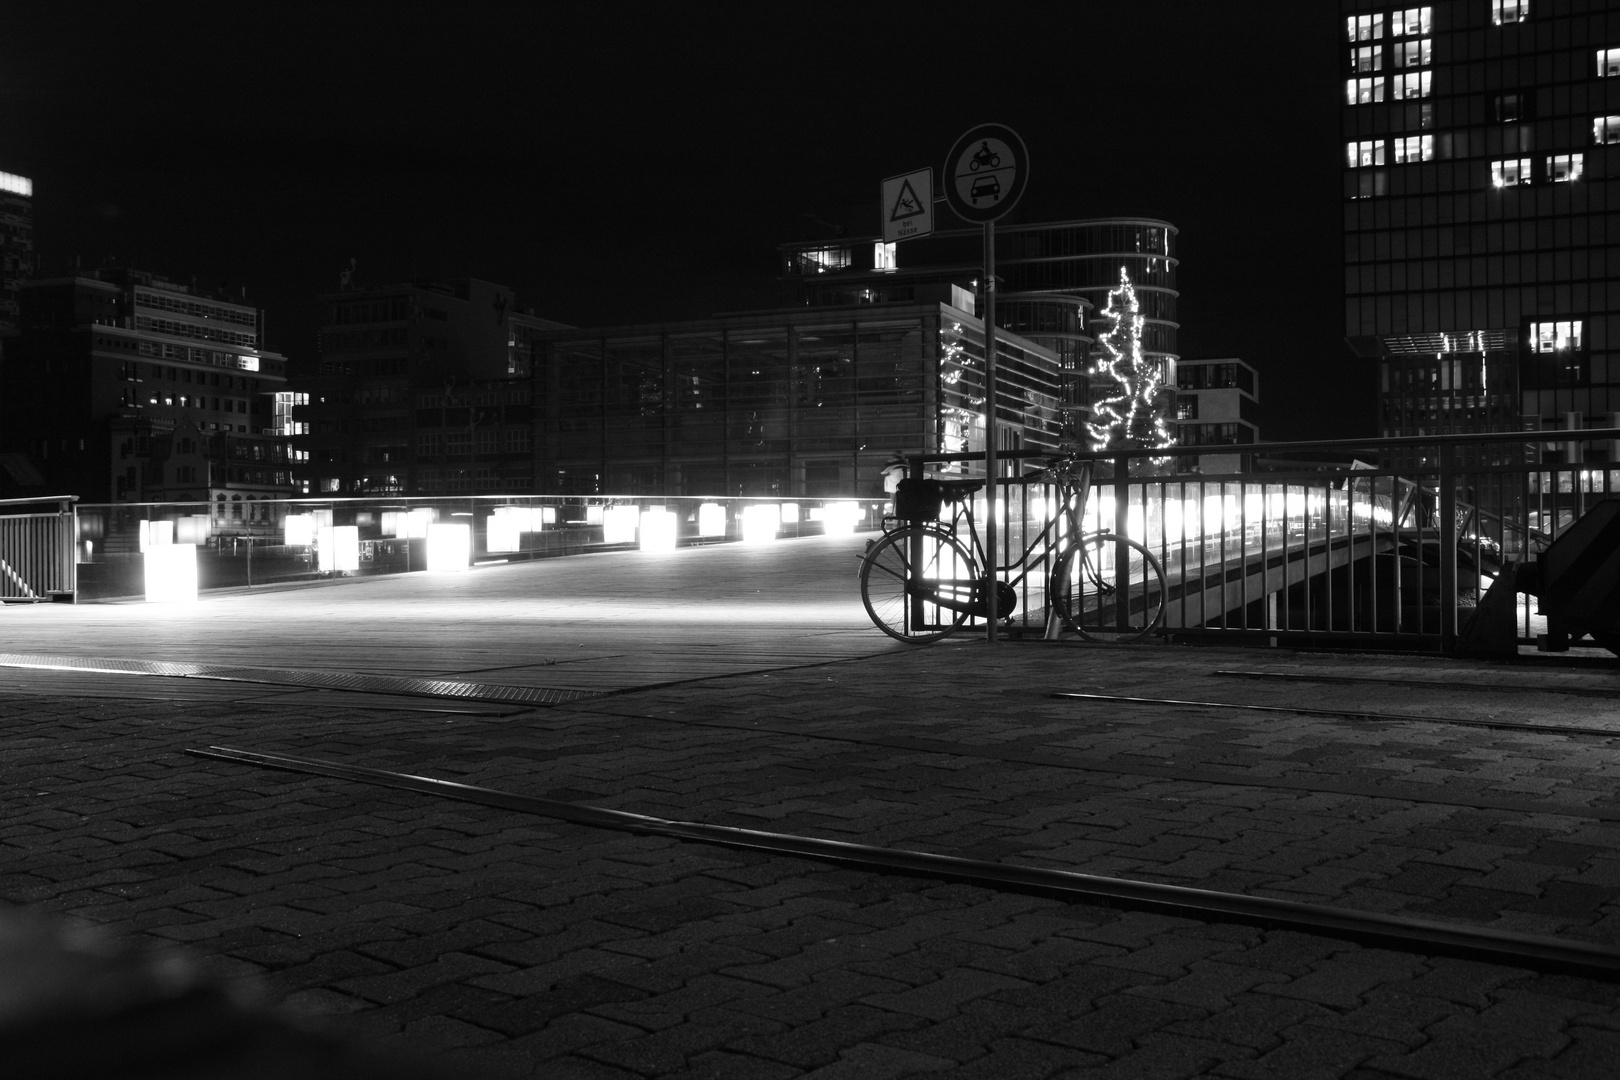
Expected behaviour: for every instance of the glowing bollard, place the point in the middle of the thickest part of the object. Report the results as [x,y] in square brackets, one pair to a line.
[419,522]
[711,520]
[171,573]
[658,529]
[619,524]
[503,528]
[838,519]
[339,549]
[449,547]
[760,523]
[298,530]
[156,534]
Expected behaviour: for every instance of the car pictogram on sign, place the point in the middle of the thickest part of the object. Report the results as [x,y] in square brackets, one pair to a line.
[987,186]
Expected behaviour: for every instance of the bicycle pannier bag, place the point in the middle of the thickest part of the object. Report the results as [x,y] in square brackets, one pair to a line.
[918,499]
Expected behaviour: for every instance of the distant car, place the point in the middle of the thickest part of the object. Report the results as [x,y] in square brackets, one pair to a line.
[984,185]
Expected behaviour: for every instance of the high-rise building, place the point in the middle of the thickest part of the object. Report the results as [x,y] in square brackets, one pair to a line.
[123,386]
[455,346]
[1482,210]
[16,244]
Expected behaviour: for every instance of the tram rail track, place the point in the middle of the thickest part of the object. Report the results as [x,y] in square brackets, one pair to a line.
[1349,714]
[1422,936]
[1433,684]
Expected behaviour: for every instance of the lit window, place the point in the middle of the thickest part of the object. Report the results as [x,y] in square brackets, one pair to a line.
[883,256]
[1410,54]
[1608,63]
[1367,58]
[1510,173]
[827,259]
[1372,183]
[1363,91]
[1409,22]
[1562,168]
[1414,148]
[1606,129]
[1363,154]
[1509,11]
[1365,27]
[328,483]
[1546,337]
[1415,85]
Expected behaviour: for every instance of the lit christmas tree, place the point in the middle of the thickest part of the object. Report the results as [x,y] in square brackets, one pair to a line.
[1125,385]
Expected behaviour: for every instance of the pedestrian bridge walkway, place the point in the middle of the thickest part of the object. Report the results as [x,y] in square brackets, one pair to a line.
[596,622]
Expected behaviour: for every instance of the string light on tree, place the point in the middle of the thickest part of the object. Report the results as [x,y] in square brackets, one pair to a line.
[1126,386]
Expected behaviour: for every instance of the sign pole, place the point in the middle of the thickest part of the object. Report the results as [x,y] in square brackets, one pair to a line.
[991,443]
[984,176]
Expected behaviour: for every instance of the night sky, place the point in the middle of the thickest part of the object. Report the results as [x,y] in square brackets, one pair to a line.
[625,163]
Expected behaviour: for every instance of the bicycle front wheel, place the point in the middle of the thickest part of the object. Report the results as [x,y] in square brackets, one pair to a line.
[906,572]
[1109,588]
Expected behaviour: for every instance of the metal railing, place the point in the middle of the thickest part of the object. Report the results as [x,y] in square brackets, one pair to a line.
[1386,543]
[37,548]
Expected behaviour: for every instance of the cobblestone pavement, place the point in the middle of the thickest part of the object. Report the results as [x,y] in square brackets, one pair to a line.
[511,944]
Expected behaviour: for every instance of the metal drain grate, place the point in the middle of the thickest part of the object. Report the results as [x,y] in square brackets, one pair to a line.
[324,680]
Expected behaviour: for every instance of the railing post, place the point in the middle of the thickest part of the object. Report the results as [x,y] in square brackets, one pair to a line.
[1122,554]
[1447,530]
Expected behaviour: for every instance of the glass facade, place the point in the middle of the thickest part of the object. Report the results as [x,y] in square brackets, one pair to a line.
[1480,220]
[808,402]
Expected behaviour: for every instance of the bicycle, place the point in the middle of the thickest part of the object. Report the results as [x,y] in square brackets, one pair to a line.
[920,582]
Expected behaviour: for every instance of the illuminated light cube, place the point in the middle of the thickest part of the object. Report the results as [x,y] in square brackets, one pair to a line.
[298,530]
[619,524]
[502,529]
[171,573]
[711,520]
[658,529]
[191,529]
[419,521]
[593,515]
[323,519]
[838,519]
[790,512]
[339,549]
[391,522]
[449,546]
[548,515]
[760,523]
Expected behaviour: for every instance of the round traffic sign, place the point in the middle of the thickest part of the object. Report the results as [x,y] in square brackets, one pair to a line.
[986,172]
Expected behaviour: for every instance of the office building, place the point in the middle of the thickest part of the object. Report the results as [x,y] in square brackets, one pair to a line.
[1481,183]
[1217,405]
[804,402]
[123,386]
[388,352]
[1054,279]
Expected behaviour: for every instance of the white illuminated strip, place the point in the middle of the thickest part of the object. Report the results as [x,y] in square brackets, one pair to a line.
[16,185]
[658,529]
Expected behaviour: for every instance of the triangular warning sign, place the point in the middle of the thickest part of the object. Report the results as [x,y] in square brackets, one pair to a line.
[906,204]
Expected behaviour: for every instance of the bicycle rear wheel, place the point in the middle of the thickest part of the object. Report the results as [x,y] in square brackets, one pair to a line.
[1108,588]
[937,561]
